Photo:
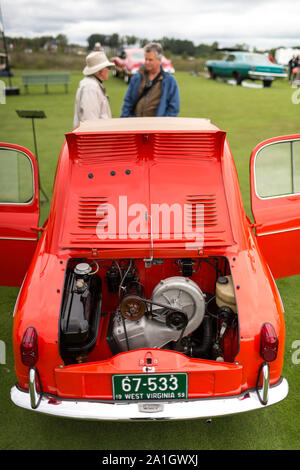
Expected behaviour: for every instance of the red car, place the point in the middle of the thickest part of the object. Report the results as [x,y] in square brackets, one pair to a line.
[128,62]
[149,294]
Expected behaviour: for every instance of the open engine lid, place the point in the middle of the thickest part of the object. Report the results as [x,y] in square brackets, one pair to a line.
[142,180]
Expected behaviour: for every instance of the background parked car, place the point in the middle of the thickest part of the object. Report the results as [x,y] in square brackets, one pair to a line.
[128,62]
[246,65]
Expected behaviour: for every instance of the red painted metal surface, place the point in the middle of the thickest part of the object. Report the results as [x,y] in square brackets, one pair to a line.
[277,222]
[93,380]
[148,167]
[18,230]
[152,168]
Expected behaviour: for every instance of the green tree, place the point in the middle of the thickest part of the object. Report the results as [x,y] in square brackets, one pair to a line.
[61,41]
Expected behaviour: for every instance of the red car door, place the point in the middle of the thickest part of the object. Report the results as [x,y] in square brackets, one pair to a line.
[275,200]
[19,212]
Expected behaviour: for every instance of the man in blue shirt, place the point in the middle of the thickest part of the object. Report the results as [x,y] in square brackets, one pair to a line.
[151,92]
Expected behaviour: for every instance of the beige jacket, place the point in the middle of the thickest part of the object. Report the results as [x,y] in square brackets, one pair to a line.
[91,101]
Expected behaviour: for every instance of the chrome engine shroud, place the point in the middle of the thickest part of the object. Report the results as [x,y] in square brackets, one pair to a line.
[154,330]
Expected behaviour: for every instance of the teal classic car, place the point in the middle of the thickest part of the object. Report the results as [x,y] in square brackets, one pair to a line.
[246,65]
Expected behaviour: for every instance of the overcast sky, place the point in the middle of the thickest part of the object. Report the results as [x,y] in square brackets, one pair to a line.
[260,23]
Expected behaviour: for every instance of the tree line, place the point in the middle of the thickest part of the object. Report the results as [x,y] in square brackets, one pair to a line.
[114,41]
[183,47]
[172,45]
[38,43]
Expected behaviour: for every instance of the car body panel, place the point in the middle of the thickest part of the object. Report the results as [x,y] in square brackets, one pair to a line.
[83,381]
[151,161]
[277,216]
[149,172]
[19,220]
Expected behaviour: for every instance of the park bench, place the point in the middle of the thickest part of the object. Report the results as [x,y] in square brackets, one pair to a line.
[45,79]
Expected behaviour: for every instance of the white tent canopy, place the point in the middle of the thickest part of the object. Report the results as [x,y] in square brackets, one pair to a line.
[283,55]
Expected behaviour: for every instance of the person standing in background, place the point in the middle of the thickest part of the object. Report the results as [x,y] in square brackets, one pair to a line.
[151,91]
[91,100]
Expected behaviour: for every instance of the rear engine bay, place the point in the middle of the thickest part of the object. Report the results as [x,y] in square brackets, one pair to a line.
[113,306]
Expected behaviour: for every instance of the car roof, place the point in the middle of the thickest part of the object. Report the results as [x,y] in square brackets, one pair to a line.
[246,55]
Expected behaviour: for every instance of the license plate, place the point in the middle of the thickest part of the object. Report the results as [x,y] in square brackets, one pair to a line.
[150,387]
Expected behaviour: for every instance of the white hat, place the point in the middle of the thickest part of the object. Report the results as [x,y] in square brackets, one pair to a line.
[95,62]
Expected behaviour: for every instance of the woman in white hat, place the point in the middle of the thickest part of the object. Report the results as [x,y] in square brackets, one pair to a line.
[91,100]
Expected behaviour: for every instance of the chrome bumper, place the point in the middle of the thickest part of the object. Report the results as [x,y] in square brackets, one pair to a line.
[195,408]
[262,75]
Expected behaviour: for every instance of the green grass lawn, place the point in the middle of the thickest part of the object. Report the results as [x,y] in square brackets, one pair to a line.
[249,115]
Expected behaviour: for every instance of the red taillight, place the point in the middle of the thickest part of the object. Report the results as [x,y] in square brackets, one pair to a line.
[268,343]
[29,347]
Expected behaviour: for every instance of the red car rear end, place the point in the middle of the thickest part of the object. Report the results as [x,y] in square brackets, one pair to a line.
[148,297]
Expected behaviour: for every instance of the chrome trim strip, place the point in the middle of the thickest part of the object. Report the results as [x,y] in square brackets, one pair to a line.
[266,74]
[263,391]
[32,389]
[278,231]
[266,383]
[19,239]
[35,397]
[292,167]
[202,408]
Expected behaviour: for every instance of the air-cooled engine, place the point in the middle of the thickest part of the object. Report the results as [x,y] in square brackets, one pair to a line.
[177,315]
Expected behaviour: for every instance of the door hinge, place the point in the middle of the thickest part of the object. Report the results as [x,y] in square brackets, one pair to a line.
[37,229]
[255,225]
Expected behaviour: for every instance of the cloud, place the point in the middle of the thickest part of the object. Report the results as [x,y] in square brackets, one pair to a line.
[257,22]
